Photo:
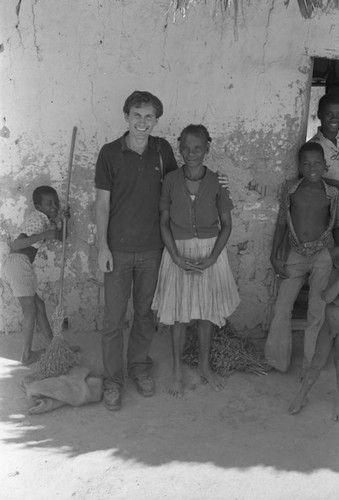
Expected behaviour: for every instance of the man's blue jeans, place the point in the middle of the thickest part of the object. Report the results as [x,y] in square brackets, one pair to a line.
[140,270]
[278,346]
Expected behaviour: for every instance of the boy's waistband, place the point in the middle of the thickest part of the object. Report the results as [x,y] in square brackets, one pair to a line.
[310,248]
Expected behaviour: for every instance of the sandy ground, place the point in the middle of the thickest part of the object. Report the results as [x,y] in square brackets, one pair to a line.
[235,445]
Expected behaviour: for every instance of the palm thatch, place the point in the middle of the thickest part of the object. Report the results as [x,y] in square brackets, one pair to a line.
[310,7]
[222,6]
[307,8]
[217,8]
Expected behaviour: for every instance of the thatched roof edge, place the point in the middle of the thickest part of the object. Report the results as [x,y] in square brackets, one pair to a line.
[308,8]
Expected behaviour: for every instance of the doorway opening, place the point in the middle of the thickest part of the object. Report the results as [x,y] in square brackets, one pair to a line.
[325,78]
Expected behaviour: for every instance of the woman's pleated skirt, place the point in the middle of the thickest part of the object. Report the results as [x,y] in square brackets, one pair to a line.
[183,296]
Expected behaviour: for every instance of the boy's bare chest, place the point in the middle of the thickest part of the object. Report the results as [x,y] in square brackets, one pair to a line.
[310,199]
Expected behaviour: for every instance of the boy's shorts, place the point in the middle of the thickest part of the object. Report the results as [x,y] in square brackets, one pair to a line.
[18,274]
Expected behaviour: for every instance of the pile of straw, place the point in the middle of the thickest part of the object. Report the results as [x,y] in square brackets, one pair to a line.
[228,353]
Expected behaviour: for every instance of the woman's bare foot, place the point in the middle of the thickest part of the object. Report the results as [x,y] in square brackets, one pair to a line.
[297,404]
[32,357]
[177,388]
[216,382]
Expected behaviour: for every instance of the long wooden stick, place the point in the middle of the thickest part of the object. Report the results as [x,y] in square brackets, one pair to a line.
[64,224]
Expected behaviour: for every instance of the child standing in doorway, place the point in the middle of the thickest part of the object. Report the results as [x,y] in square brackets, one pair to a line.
[309,212]
[18,270]
[195,281]
[327,135]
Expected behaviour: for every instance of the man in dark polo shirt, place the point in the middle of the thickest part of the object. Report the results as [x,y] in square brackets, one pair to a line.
[128,178]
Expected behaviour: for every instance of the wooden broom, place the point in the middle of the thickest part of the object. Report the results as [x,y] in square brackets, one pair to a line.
[59,358]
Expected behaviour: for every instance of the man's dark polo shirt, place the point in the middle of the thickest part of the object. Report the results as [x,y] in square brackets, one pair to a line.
[134,181]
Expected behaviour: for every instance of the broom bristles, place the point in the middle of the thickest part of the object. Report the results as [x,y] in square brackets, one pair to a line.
[58,359]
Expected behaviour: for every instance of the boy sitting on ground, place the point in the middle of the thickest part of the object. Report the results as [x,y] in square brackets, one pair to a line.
[18,270]
[327,341]
[308,212]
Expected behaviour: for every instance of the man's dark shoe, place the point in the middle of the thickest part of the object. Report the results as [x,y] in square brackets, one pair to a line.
[145,385]
[112,397]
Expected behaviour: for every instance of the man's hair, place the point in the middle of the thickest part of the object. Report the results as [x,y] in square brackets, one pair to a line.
[197,130]
[140,97]
[331,98]
[41,190]
[310,146]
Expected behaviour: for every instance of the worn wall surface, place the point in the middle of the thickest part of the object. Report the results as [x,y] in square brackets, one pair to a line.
[72,63]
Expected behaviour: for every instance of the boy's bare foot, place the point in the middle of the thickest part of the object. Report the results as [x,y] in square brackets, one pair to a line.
[297,404]
[303,370]
[301,374]
[336,409]
[177,388]
[32,357]
[216,382]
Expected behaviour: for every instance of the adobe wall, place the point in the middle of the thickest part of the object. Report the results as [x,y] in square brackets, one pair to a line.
[74,63]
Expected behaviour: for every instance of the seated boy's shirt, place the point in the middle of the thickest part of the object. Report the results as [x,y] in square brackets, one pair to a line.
[37,222]
[331,152]
[284,217]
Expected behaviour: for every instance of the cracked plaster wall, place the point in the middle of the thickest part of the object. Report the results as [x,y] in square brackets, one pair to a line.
[73,63]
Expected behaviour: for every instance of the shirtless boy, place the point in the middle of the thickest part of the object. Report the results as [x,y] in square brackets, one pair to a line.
[327,341]
[18,271]
[309,212]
